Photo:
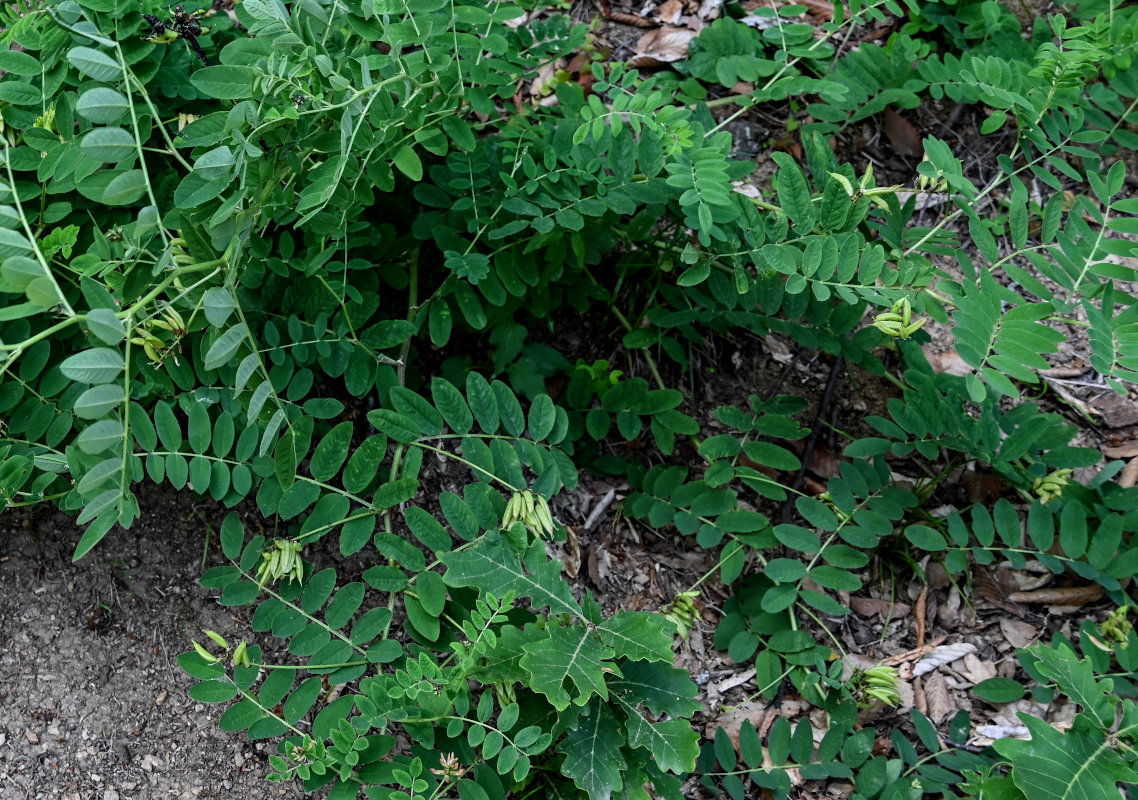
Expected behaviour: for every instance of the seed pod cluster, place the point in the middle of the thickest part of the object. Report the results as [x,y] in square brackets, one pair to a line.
[682,612]
[281,559]
[898,321]
[1051,486]
[530,509]
[876,683]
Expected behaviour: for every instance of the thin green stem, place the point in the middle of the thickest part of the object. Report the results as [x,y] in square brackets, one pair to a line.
[647,356]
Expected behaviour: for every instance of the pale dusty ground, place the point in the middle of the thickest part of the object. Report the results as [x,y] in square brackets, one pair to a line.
[93,705]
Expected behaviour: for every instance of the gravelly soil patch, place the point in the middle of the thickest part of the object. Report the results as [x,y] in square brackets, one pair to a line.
[93,705]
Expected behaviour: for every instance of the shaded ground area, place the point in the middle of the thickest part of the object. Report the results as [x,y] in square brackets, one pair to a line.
[92,702]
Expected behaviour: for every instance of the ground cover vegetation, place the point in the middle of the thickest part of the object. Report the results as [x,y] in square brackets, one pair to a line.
[246,252]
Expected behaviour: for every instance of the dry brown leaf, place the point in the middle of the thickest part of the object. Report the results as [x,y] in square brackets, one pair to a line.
[936,697]
[670,12]
[823,461]
[1117,412]
[908,699]
[1129,475]
[1064,372]
[1018,633]
[868,606]
[941,655]
[919,614]
[571,552]
[1068,596]
[982,487]
[662,46]
[913,655]
[1128,450]
[991,589]
[902,134]
[754,712]
[974,670]
[948,361]
[734,680]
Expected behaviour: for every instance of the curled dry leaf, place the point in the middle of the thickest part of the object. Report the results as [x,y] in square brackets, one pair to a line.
[992,589]
[947,361]
[908,698]
[1128,450]
[941,655]
[709,9]
[1129,474]
[913,655]
[1068,596]
[936,697]
[670,12]
[1003,732]
[902,134]
[662,46]
[635,20]
[734,680]
[919,614]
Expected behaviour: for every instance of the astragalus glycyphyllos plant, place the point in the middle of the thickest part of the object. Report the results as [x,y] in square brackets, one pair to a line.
[250,259]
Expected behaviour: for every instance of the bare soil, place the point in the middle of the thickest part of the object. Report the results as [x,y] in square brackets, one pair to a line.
[93,705]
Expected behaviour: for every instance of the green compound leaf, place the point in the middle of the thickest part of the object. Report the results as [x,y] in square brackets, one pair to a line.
[106,326]
[98,365]
[572,654]
[232,536]
[331,452]
[399,427]
[224,82]
[226,345]
[94,64]
[241,716]
[492,565]
[592,754]
[483,402]
[452,406]
[213,691]
[793,191]
[542,417]
[109,145]
[98,400]
[999,690]
[1080,763]
[102,106]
